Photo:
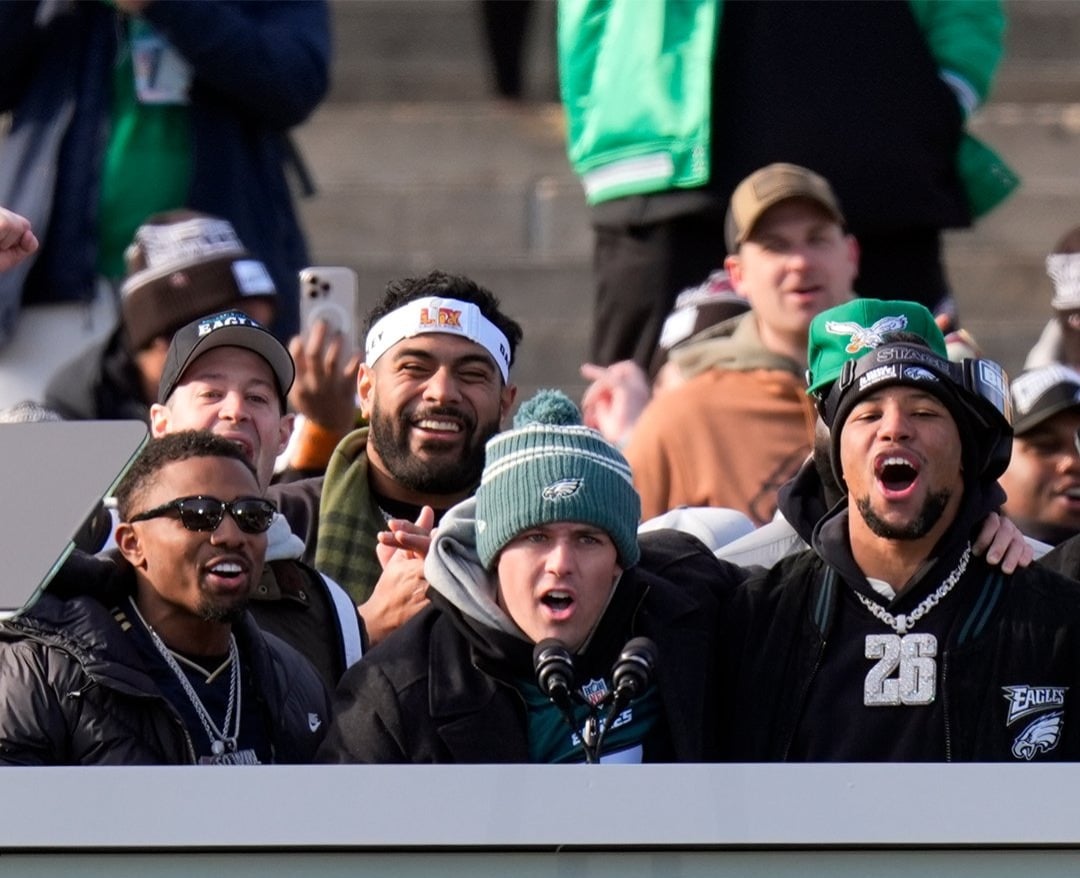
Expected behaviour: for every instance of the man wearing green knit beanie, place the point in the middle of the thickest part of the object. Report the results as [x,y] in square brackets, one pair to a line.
[545,641]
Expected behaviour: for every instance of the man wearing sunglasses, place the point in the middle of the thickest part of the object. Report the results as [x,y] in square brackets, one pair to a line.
[891,640]
[153,659]
[227,374]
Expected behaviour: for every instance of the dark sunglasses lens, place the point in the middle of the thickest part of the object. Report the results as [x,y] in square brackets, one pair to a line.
[201,513]
[253,516]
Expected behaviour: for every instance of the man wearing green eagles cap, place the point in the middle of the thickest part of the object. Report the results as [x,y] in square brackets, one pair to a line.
[891,640]
[861,324]
[858,326]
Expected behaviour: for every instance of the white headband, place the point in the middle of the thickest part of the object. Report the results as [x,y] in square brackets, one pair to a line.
[1064,271]
[434,314]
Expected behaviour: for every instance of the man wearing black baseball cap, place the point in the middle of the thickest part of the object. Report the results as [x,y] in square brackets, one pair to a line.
[1043,478]
[236,331]
[228,374]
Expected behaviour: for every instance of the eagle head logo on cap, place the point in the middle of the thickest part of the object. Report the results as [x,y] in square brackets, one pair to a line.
[866,336]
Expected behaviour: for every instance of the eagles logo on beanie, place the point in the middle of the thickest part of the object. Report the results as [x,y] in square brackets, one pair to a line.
[550,468]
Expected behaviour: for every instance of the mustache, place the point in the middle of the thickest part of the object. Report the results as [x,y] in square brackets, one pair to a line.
[441,411]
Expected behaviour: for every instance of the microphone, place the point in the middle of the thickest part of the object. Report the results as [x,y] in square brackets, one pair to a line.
[554,672]
[633,670]
[630,676]
[555,675]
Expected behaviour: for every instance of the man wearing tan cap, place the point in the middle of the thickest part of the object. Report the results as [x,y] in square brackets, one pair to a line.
[742,427]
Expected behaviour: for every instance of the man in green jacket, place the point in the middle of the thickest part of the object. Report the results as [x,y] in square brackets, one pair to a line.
[669,105]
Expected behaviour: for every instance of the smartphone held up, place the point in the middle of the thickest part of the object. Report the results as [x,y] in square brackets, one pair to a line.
[330,293]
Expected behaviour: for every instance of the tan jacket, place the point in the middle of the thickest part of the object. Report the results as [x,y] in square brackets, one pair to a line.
[731,436]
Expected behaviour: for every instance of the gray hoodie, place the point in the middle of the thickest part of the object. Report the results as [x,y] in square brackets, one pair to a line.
[454,570]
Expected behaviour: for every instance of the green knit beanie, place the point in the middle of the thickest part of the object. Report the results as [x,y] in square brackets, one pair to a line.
[550,468]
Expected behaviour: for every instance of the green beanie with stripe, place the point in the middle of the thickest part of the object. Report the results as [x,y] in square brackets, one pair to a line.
[551,468]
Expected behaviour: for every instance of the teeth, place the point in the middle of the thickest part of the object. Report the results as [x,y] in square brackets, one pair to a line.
[896,467]
[227,568]
[1073,493]
[429,424]
[559,600]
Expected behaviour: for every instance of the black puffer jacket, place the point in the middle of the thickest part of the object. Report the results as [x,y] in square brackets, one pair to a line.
[74,692]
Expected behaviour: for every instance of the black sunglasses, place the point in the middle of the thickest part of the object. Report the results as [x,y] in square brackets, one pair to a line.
[252,515]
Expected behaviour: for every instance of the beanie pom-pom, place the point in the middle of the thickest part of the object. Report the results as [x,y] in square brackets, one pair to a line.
[551,407]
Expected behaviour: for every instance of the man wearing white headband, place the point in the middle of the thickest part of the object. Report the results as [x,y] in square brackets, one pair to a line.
[434,387]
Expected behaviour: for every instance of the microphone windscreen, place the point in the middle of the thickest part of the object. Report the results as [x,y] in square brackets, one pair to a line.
[554,667]
[634,668]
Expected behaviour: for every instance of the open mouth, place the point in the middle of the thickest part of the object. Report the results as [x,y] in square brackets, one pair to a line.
[437,425]
[557,601]
[441,423]
[241,442]
[896,474]
[229,573]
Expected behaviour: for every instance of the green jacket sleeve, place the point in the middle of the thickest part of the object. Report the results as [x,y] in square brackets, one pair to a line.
[966,38]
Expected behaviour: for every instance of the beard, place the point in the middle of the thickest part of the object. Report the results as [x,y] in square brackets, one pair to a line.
[448,472]
[933,508]
[230,613]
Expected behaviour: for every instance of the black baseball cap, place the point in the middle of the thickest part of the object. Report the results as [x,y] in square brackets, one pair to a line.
[225,329]
[1039,394]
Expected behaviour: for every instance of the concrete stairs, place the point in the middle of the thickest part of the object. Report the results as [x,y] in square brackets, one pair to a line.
[419,167]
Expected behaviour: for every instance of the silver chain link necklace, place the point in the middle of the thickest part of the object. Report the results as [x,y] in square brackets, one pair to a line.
[914,654]
[220,741]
